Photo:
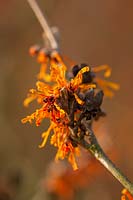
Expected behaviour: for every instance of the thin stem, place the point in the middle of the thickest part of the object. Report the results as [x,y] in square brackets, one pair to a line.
[93,146]
[43,22]
[96,150]
[99,154]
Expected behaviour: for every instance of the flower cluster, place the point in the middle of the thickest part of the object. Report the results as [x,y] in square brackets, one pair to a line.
[66,99]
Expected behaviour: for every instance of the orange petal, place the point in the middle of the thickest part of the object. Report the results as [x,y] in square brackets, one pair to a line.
[45,136]
[105,68]
[127,194]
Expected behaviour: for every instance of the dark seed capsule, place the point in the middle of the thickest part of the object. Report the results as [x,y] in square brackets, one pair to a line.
[89,94]
[77,68]
[87,76]
[99,98]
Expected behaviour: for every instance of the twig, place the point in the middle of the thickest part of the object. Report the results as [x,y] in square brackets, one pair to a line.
[44,24]
[93,145]
[96,150]
[99,154]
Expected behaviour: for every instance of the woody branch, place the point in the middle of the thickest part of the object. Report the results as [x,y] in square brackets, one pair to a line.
[93,145]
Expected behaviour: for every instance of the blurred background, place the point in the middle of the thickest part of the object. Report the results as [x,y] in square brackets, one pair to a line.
[95,32]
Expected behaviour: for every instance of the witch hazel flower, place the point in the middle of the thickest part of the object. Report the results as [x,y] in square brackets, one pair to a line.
[65,100]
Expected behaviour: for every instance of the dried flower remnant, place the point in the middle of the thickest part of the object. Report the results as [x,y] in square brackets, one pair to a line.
[46,58]
[91,76]
[65,103]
